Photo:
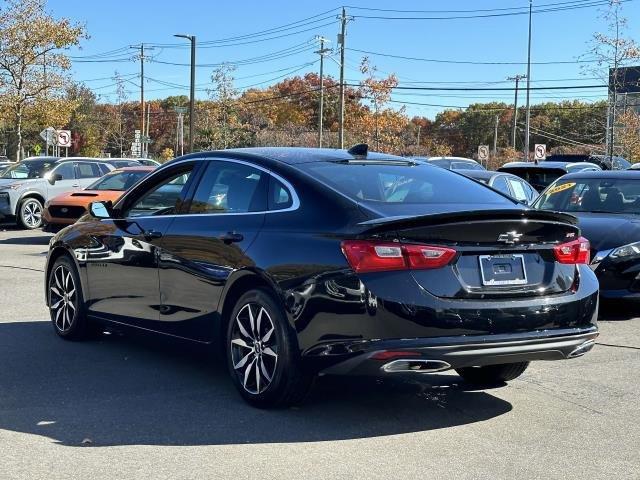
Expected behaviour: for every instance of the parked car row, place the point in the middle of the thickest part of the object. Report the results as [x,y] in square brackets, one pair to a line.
[26,186]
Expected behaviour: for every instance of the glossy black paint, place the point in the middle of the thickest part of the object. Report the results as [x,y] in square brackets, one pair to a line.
[183,281]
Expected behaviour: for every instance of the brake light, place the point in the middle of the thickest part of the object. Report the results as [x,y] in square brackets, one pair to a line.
[368,256]
[576,251]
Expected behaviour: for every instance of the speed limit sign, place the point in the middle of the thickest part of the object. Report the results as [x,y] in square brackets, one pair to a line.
[483,153]
[540,151]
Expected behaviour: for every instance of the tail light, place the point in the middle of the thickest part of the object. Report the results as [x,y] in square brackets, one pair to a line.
[576,251]
[369,256]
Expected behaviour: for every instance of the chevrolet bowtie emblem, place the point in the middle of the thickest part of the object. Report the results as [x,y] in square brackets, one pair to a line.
[509,237]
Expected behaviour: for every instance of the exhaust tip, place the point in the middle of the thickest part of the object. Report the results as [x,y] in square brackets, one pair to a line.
[582,349]
[415,366]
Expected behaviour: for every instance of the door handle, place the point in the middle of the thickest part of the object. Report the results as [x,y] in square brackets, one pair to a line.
[231,237]
[151,235]
[75,185]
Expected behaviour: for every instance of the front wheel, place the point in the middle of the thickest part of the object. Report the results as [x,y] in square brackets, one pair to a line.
[30,213]
[492,374]
[262,353]
[66,301]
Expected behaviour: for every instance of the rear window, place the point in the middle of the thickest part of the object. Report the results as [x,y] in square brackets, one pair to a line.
[384,183]
[466,166]
[539,178]
[592,195]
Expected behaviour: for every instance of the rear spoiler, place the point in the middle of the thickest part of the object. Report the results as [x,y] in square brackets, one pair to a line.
[403,222]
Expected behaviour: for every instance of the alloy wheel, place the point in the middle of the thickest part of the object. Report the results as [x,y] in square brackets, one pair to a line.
[254,349]
[32,214]
[62,298]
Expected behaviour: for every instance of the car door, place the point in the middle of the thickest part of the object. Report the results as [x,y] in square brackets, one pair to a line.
[67,181]
[122,260]
[87,173]
[202,248]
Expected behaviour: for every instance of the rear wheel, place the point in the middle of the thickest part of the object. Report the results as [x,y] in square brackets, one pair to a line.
[262,353]
[30,213]
[66,301]
[492,374]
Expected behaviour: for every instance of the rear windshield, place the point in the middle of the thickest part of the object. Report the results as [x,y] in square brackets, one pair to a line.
[28,169]
[457,164]
[539,178]
[592,195]
[384,183]
[118,181]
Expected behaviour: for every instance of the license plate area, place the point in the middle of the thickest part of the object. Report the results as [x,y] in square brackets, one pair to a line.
[499,270]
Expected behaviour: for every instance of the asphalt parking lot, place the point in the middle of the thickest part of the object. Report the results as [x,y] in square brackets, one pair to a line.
[123,406]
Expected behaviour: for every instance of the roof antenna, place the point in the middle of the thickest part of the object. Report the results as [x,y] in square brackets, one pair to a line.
[359,151]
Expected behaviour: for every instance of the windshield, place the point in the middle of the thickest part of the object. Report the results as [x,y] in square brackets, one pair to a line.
[385,183]
[28,169]
[117,181]
[592,195]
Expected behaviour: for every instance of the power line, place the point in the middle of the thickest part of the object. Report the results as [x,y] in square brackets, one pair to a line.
[466,62]
[537,10]
[524,8]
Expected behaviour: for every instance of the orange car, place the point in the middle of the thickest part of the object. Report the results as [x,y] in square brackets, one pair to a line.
[68,207]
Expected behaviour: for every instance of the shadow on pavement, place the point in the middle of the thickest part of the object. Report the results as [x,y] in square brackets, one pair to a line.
[41,239]
[129,390]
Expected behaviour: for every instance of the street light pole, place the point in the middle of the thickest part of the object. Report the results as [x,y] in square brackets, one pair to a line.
[528,117]
[192,89]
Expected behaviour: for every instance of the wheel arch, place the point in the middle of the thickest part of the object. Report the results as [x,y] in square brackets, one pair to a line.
[30,194]
[238,284]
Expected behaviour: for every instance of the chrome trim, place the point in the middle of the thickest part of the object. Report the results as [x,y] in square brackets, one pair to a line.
[582,349]
[295,200]
[404,366]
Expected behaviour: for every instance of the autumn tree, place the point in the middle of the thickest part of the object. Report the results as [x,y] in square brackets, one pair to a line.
[377,91]
[115,121]
[629,135]
[32,63]
[612,51]
[224,95]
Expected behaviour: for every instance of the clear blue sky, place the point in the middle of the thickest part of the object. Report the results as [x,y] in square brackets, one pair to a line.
[557,36]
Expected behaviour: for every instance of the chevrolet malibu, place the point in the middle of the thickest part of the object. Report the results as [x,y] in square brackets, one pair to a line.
[295,262]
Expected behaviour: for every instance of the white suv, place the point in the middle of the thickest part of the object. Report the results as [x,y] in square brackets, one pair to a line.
[27,185]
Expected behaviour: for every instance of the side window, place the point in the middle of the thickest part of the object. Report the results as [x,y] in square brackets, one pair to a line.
[500,184]
[279,196]
[104,169]
[162,198]
[66,171]
[229,187]
[518,188]
[88,170]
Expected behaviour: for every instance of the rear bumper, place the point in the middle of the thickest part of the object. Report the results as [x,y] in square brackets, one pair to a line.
[376,357]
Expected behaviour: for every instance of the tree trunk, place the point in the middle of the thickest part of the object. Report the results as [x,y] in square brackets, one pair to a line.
[19,134]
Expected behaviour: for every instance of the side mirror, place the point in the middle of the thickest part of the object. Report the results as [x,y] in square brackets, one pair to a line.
[99,210]
[53,178]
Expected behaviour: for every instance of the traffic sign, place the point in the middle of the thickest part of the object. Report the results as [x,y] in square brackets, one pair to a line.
[483,153]
[540,151]
[64,138]
[48,135]
[37,149]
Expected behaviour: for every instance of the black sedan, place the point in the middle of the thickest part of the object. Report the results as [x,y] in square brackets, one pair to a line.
[607,205]
[299,261]
[541,175]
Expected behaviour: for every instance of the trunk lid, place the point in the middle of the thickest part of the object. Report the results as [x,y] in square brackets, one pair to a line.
[501,253]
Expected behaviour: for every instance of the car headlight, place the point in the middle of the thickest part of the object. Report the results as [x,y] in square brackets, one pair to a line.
[625,251]
[14,186]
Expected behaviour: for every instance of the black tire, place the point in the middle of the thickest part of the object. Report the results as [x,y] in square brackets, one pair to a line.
[492,374]
[29,213]
[263,380]
[66,301]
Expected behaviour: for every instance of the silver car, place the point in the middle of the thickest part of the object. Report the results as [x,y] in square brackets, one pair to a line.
[27,185]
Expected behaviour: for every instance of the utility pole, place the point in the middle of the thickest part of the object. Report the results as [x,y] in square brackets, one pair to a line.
[341,40]
[418,139]
[142,109]
[192,89]
[322,53]
[495,138]
[528,117]
[147,139]
[517,79]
